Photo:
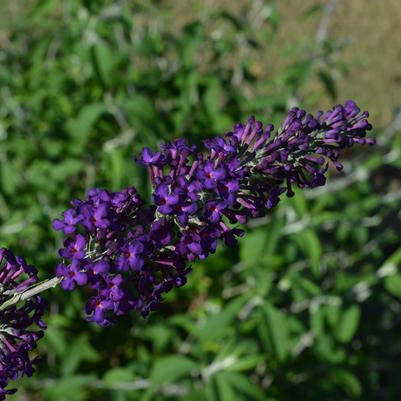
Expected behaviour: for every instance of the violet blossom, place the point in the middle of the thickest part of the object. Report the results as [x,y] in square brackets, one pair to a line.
[130,253]
[21,324]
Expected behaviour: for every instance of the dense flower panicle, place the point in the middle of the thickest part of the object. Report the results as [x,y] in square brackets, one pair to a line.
[130,253]
[243,173]
[118,248]
[18,334]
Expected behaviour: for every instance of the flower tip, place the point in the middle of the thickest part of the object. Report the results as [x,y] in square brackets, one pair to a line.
[57,224]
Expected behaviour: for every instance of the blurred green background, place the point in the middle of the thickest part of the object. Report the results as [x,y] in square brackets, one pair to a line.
[309,305]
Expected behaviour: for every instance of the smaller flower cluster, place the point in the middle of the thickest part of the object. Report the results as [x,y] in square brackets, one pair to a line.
[243,173]
[110,237]
[17,335]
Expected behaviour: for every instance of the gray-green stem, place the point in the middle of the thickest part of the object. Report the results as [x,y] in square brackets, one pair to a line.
[30,292]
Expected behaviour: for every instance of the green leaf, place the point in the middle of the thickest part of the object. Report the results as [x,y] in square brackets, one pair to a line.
[311,246]
[117,169]
[198,395]
[242,384]
[328,83]
[252,246]
[225,389]
[393,285]
[246,363]
[317,320]
[141,113]
[390,264]
[41,9]
[67,168]
[170,369]
[312,10]
[9,177]
[80,350]
[348,324]
[213,101]
[348,381]
[211,390]
[297,73]
[159,334]
[189,44]
[327,350]
[333,314]
[212,98]
[310,288]
[299,203]
[114,377]
[274,232]
[80,127]
[73,388]
[274,332]
[104,61]
[56,340]
[217,325]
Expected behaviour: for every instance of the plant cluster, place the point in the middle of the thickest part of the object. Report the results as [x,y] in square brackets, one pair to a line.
[130,253]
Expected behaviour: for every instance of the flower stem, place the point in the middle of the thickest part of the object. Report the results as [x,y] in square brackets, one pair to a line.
[30,292]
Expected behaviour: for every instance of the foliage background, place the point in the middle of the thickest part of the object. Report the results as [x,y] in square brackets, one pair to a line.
[309,304]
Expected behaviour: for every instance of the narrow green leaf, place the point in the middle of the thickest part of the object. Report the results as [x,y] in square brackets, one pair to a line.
[317,321]
[252,246]
[274,232]
[217,325]
[275,329]
[104,60]
[225,389]
[390,264]
[348,381]
[80,127]
[72,388]
[242,384]
[56,340]
[299,203]
[311,246]
[348,324]
[393,285]
[246,363]
[328,84]
[171,368]
[8,178]
[41,9]
[114,377]
[80,350]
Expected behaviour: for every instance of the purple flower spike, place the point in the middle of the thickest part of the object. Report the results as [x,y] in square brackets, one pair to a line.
[131,254]
[19,334]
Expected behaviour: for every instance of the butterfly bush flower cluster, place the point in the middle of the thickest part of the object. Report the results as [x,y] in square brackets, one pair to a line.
[116,246]
[131,253]
[21,325]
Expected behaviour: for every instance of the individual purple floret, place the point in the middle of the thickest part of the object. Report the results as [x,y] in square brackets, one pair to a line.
[18,334]
[130,253]
[68,223]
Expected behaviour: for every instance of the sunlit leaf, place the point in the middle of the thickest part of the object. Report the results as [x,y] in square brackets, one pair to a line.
[348,324]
